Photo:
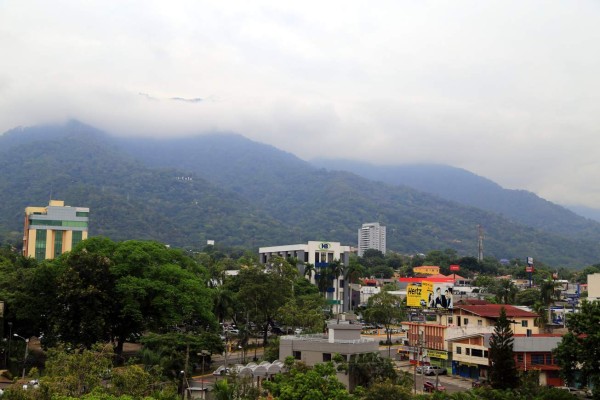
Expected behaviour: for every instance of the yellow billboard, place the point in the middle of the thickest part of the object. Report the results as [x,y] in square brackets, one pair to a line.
[417,295]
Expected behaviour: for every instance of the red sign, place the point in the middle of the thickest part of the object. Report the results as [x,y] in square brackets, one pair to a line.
[529,268]
[454,267]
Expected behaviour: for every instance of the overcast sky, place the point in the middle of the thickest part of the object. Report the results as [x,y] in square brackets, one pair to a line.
[509,90]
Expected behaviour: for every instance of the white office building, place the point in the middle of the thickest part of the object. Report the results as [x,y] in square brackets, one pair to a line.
[320,254]
[371,236]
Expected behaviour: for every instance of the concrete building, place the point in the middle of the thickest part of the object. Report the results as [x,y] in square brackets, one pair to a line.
[343,337]
[431,336]
[53,230]
[371,236]
[321,255]
[471,356]
[593,281]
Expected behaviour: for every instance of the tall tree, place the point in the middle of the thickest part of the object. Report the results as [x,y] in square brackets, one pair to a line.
[351,275]
[503,370]
[548,295]
[309,270]
[263,291]
[386,309]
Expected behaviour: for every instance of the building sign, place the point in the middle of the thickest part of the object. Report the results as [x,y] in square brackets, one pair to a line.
[437,354]
[427,270]
[324,246]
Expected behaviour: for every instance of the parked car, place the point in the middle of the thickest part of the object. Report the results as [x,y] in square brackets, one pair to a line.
[277,330]
[297,331]
[434,370]
[430,387]
[222,370]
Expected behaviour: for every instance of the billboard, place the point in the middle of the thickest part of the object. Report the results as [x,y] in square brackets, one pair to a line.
[416,295]
[440,297]
[429,295]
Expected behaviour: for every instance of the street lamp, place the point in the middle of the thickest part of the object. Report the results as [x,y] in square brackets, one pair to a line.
[26,351]
[7,358]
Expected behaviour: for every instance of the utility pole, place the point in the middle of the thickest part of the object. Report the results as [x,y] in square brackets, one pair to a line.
[185,367]
[479,243]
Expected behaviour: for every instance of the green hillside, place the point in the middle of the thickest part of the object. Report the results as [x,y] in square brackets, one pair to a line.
[238,192]
[127,200]
[332,205]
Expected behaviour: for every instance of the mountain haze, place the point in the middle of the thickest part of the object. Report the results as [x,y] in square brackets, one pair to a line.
[238,192]
[464,187]
[333,204]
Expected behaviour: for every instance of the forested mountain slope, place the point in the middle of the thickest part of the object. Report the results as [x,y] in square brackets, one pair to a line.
[332,205]
[127,199]
[464,187]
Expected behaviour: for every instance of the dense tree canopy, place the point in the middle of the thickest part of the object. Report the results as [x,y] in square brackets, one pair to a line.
[105,291]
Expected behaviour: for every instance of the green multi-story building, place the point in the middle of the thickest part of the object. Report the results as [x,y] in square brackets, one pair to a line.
[53,230]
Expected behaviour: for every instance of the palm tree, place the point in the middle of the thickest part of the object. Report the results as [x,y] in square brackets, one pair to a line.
[309,270]
[506,291]
[222,303]
[351,274]
[336,269]
[548,294]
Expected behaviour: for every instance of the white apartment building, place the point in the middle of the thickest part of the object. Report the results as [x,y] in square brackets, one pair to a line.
[320,254]
[371,236]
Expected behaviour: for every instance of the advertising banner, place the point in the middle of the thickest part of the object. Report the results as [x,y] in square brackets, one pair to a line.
[416,296]
[441,296]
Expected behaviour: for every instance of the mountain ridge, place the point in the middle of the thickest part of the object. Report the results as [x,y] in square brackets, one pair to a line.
[245,193]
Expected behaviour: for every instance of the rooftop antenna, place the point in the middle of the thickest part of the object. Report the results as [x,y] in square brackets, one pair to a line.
[479,243]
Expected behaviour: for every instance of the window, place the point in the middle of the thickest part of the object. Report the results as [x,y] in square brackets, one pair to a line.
[520,358]
[458,350]
[40,244]
[468,351]
[326,357]
[77,238]
[477,352]
[466,321]
[524,324]
[81,214]
[486,354]
[58,242]
[479,322]
[450,320]
[297,355]
[537,359]
[49,222]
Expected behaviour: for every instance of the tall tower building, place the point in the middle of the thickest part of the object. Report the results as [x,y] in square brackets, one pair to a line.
[53,230]
[371,236]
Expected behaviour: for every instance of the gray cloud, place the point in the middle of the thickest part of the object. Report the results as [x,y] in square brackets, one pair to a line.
[507,89]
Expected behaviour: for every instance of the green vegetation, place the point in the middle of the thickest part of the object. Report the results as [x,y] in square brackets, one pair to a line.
[240,193]
[577,354]
[503,371]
